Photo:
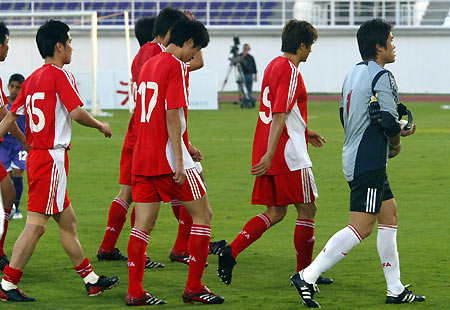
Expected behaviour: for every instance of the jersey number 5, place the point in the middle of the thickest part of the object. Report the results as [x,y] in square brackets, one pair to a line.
[145,117]
[262,115]
[34,111]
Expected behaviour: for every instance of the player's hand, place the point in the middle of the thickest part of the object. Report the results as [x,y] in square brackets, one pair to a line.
[105,129]
[195,153]
[263,166]
[374,111]
[189,14]
[26,147]
[180,173]
[405,133]
[315,138]
[394,151]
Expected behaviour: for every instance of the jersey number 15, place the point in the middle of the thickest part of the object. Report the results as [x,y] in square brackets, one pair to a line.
[35,111]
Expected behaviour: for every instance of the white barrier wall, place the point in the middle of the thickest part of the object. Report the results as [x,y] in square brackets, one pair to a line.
[422,64]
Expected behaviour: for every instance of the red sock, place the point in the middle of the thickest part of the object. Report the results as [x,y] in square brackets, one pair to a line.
[176,208]
[12,275]
[198,253]
[184,231]
[304,242]
[116,218]
[250,233]
[136,261]
[84,268]
[133,217]
[5,229]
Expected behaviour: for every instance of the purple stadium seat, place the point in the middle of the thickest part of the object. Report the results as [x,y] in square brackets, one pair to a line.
[74,6]
[124,6]
[189,5]
[4,6]
[59,6]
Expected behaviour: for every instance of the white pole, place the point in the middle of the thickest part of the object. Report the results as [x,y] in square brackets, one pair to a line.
[96,110]
[127,39]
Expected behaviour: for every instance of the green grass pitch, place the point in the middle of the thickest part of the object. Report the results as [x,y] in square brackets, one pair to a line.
[420,179]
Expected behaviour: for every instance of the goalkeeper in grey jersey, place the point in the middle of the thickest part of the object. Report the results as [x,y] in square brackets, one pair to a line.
[372,134]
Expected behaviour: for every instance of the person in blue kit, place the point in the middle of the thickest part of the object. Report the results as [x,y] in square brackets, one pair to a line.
[12,154]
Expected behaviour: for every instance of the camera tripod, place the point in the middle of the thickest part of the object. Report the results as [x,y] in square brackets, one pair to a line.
[236,67]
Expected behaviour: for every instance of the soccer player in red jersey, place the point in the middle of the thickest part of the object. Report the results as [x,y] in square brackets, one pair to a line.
[163,168]
[7,189]
[50,100]
[280,159]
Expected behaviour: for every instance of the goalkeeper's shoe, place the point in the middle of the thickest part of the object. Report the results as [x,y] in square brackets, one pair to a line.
[305,289]
[144,300]
[322,280]
[113,255]
[204,295]
[3,262]
[103,283]
[215,246]
[405,297]
[150,264]
[226,264]
[14,295]
[181,257]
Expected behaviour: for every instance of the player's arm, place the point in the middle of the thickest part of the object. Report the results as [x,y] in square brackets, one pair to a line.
[9,121]
[84,118]
[195,152]
[315,138]
[196,62]
[389,115]
[174,131]
[276,128]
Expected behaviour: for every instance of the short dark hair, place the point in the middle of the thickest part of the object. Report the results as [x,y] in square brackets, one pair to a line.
[16,77]
[371,33]
[186,29]
[4,32]
[144,29]
[296,32]
[165,20]
[50,33]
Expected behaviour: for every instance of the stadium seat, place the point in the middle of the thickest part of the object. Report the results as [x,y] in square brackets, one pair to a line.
[5,6]
[60,6]
[72,6]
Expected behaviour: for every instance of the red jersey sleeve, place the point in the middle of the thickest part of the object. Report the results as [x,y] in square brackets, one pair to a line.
[287,84]
[67,91]
[3,98]
[177,92]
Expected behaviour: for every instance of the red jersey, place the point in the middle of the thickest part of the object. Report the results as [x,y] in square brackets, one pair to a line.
[147,51]
[47,97]
[163,85]
[3,98]
[283,91]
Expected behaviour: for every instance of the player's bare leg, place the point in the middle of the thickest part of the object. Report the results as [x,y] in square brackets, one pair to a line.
[146,215]
[198,247]
[94,284]
[387,250]
[8,196]
[22,251]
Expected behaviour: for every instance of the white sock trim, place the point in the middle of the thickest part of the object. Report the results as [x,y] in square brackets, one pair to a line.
[7,286]
[91,278]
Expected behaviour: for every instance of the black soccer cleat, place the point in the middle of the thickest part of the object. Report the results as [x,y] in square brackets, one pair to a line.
[181,258]
[215,246]
[3,262]
[103,283]
[15,295]
[204,295]
[144,300]
[150,264]
[405,297]
[305,290]
[226,264]
[322,280]
[113,255]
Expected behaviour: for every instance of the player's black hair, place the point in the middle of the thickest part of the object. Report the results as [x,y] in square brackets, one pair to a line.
[16,77]
[186,29]
[165,20]
[371,33]
[50,33]
[144,29]
[296,32]
[4,32]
